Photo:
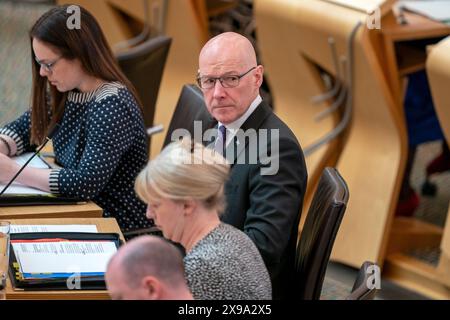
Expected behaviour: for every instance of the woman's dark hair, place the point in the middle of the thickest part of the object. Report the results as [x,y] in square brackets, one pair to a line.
[87,44]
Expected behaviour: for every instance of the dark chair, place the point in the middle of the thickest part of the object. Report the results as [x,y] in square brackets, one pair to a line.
[318,234]
[144,65]
[361,290]
[190,107]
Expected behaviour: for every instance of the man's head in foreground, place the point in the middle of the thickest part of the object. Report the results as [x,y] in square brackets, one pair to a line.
[147,268]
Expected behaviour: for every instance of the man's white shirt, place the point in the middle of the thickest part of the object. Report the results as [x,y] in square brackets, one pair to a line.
[233,127]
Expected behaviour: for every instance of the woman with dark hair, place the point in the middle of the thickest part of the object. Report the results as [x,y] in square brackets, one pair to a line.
[101,143]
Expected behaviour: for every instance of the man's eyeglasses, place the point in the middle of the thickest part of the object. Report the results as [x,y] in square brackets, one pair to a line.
[229,81]
[47,66]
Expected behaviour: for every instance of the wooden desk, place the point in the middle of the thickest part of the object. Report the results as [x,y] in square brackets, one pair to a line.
[404,55]
[88,210]
[439,76]
[103,225]
[411,272]
[401,57]
[432,280]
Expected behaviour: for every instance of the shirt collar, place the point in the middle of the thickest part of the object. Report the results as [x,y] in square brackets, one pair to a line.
[234,126]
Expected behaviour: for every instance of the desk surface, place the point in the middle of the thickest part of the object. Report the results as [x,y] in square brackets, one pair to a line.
[417,27]
[399,57]
[88,210]
[103,225]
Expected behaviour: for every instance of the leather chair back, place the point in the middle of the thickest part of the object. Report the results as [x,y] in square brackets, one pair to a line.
[190,108]
[317,237]
[144,65]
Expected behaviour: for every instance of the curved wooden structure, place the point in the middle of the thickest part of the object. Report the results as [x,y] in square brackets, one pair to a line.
[439,76]
[294,79]
[438,71]
[293,38]
[431,279]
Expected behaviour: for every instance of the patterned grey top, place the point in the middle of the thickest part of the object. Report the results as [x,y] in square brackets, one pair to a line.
[226,265]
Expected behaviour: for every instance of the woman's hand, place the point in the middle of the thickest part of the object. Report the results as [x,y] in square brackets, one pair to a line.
[8,168]
[3,147]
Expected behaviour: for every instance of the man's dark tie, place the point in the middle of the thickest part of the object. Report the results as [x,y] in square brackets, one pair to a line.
[222,139]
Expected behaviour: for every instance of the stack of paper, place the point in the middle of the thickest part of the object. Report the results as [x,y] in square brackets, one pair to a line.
[61,258]
[26,228]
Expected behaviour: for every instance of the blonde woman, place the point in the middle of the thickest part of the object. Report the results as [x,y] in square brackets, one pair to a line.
[183,188]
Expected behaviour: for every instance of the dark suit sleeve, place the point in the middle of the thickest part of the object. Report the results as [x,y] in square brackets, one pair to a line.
[276,201]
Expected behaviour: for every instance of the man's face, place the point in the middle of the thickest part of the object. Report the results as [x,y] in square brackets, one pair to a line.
[228,104]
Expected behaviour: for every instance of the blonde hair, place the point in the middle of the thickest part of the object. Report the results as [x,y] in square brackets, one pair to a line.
[185,170]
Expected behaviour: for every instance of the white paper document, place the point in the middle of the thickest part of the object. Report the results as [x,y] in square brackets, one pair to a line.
[16,228]
[63,256]
[37,162]
[17,188]
[434,9]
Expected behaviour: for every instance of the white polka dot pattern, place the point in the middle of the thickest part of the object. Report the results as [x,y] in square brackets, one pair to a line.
[15,137]
[101,146]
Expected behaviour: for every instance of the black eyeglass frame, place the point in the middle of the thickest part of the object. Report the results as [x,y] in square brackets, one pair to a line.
[47,66]
[222,80]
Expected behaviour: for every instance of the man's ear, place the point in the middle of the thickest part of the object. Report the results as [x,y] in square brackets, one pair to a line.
[259,75]
[153,287]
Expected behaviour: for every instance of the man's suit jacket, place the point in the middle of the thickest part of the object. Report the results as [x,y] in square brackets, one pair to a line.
[268,207]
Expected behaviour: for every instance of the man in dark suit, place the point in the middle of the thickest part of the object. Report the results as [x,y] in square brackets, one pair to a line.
[268,176]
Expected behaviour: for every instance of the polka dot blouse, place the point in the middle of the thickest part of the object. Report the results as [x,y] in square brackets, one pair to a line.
[101,146]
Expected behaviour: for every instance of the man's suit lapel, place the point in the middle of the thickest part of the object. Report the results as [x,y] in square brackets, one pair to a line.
[253,122]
